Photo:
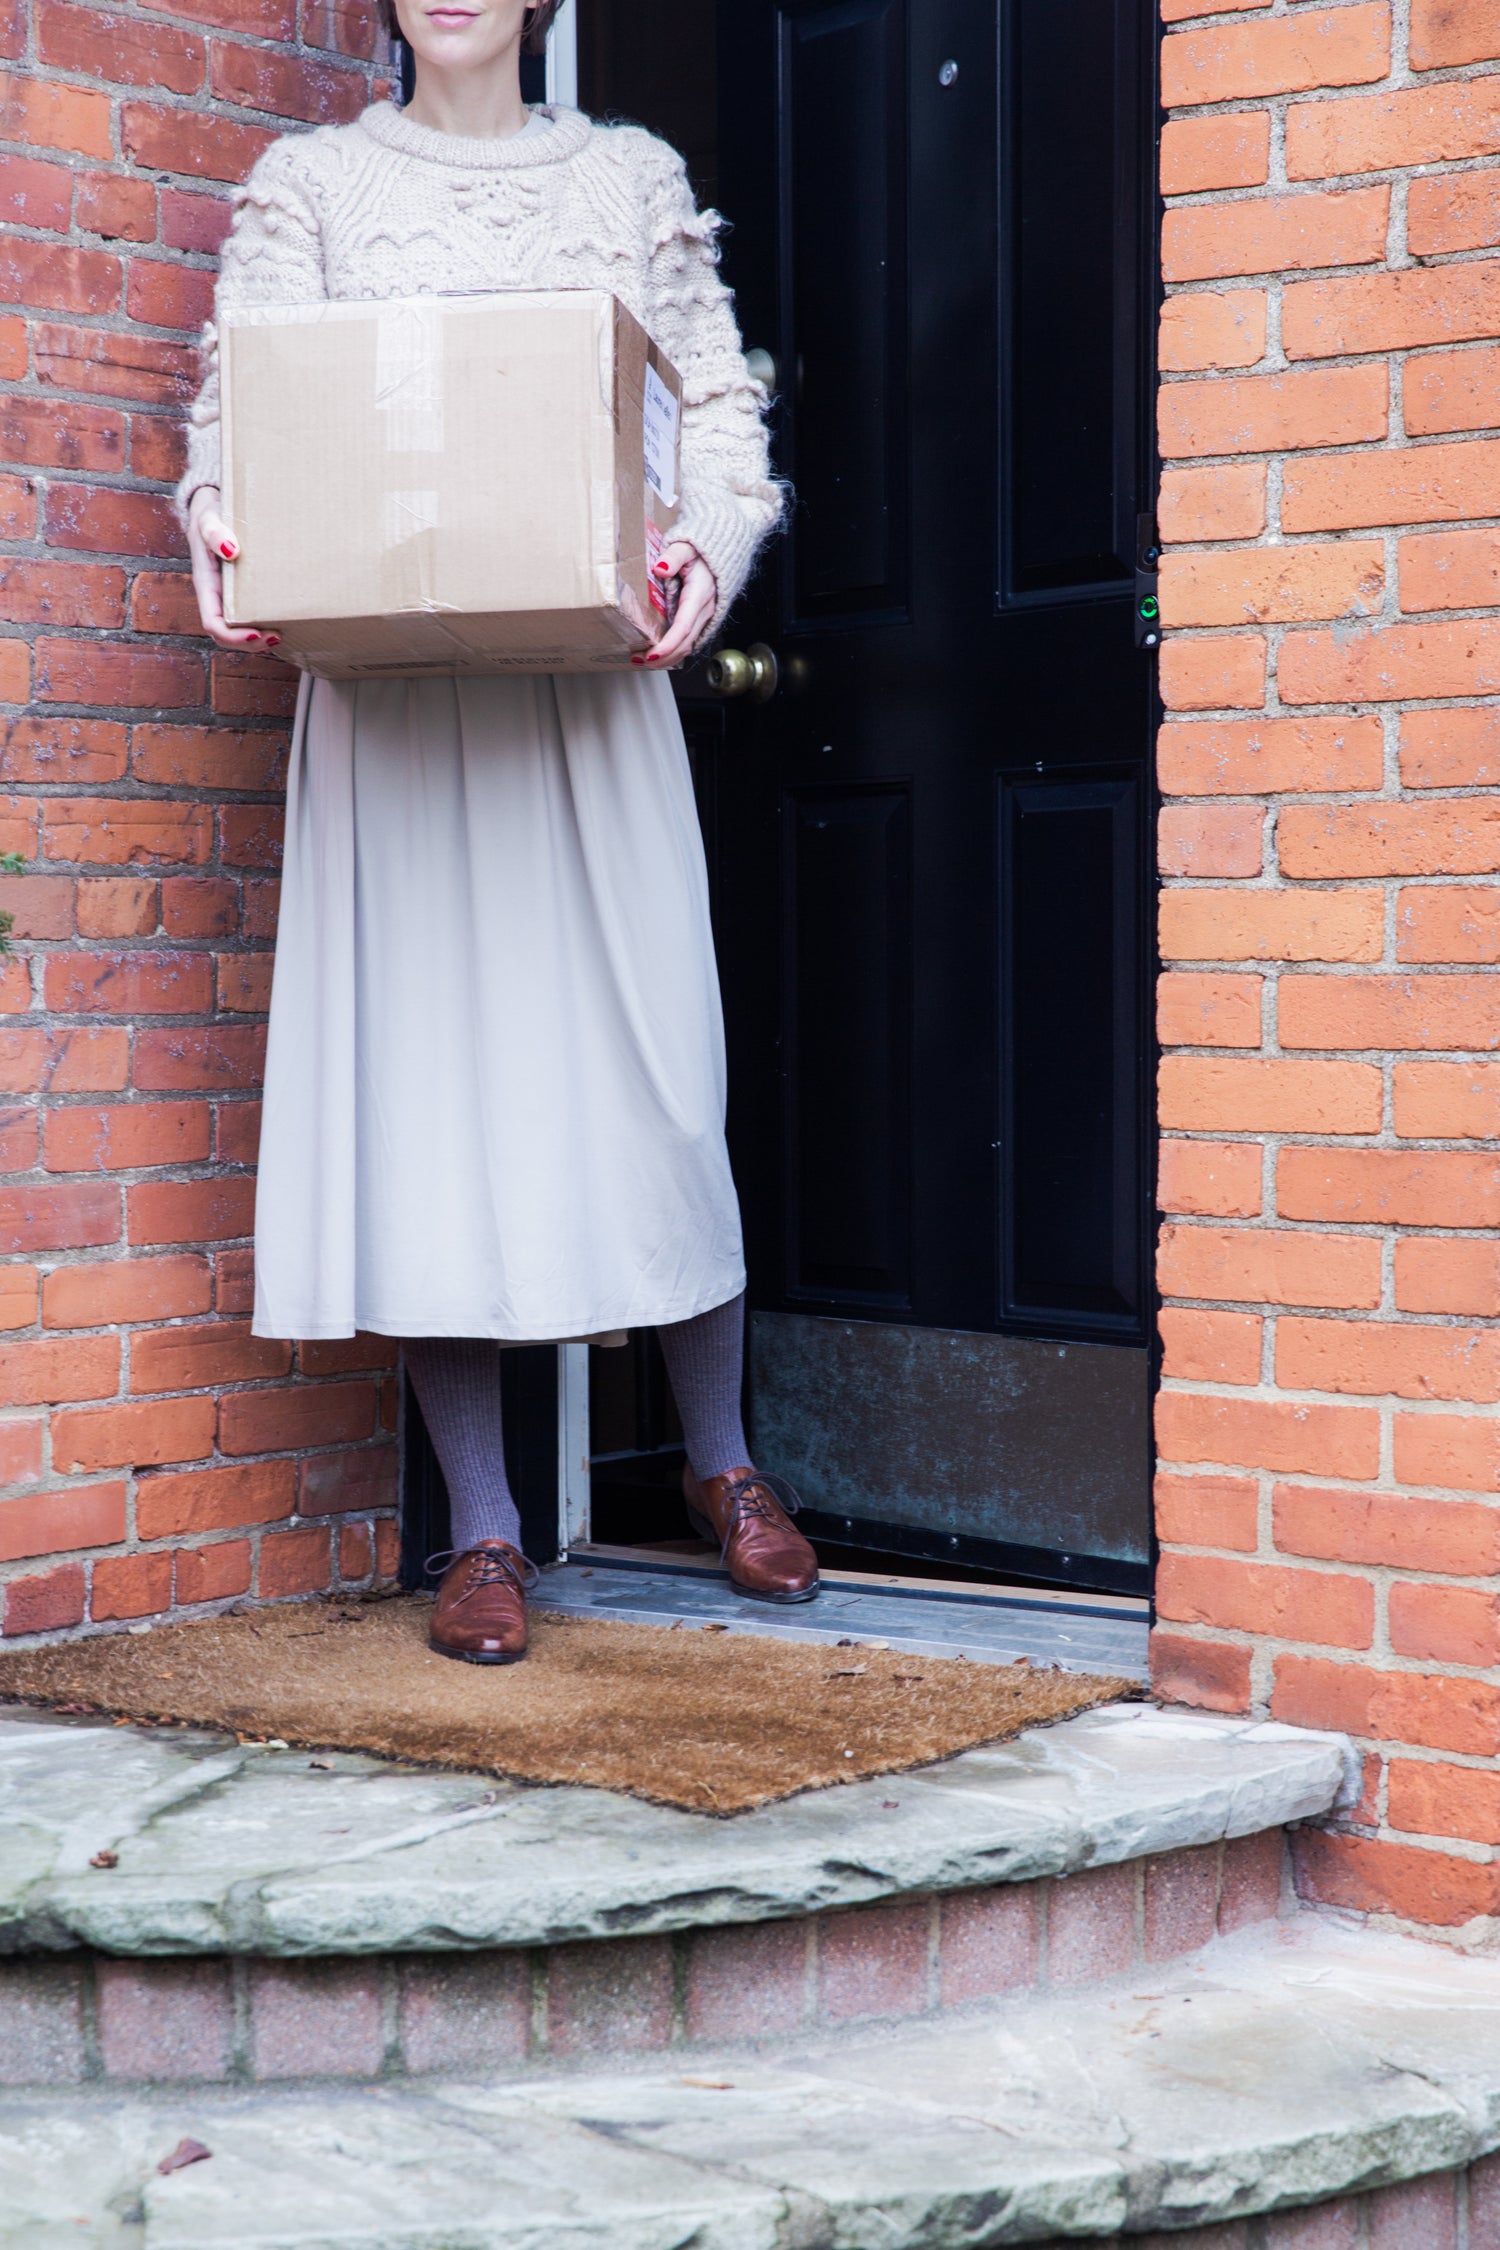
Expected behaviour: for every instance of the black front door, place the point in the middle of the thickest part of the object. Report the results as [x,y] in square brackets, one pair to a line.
[930,847]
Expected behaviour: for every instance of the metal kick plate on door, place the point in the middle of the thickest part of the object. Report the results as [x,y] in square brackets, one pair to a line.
[963,1435]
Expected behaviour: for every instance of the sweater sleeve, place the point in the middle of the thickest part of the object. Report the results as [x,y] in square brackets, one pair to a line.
[272,256]
[730,500]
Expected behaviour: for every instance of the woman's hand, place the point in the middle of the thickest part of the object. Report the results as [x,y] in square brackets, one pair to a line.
[682,570]
[211,544]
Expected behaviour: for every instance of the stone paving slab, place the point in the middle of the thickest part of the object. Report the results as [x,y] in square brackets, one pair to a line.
[223,1847]
[1276,2069]
[990,1629]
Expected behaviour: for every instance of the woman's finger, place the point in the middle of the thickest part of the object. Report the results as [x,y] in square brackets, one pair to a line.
[207,587]
[697,600]
[210,539]
[218,536]
[694,613]
[669,572]
[206,522]
[673,645]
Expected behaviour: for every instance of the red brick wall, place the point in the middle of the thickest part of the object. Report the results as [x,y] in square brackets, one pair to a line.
[152,1454]
[1329,1497]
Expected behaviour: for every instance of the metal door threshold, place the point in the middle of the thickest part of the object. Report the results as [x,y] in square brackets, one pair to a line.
[882,1584]
[1005,1628]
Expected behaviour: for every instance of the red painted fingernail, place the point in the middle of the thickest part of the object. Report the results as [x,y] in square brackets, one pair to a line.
[273,640]
[665,569]
[637,660]
[227,550]
[254,636]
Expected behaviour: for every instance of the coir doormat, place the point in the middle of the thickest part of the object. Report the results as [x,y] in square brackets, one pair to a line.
[708,1720]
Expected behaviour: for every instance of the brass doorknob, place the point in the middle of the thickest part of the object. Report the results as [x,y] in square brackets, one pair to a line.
[753,671]
[760,366]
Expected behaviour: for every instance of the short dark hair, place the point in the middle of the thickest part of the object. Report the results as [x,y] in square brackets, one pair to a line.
[538,22]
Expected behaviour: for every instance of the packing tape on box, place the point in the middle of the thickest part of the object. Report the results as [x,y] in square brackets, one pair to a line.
[406,520]
[409,376]
[407,515]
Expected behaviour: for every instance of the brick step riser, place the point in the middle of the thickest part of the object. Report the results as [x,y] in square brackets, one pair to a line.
[76,2019]
[1440,2211]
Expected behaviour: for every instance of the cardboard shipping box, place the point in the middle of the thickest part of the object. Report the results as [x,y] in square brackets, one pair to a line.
[464,483]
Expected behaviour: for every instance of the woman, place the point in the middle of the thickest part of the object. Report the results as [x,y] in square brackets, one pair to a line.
[494,1086]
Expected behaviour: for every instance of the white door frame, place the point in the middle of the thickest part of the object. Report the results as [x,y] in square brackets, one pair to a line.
[573,1464]
[573,1468]
[562,56]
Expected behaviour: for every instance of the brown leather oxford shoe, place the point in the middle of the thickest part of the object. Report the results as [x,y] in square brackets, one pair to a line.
[750,1517]
[480,1613]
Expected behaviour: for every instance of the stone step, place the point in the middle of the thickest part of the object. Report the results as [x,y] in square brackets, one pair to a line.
[222,1913]
[1302,2084]
[145,1841]
[388,2018]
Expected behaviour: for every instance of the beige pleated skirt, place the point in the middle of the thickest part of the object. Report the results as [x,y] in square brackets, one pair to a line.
[495,1080]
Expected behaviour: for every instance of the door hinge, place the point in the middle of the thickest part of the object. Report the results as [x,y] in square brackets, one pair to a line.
[1147,596]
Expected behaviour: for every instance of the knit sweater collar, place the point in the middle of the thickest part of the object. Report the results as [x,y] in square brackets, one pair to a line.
[395,130]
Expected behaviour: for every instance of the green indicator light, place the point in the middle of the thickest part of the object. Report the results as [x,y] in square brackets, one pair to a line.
[1150,608]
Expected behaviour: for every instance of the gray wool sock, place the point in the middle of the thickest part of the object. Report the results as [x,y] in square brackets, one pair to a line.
[705,1358]
[457,1382]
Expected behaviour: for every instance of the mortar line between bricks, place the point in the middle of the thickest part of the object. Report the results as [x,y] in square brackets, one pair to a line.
[241,2059]
[89,2008]
[540,2022]
[393,2057]
[678,1945]
[933,1997]
[812,1965]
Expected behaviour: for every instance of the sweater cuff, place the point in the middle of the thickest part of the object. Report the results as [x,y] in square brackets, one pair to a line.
[726,539]
[203,466]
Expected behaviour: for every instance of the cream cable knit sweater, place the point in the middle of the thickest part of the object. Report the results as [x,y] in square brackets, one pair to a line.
[388,208]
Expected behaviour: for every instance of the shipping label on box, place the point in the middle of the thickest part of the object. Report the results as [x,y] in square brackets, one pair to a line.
[449,484]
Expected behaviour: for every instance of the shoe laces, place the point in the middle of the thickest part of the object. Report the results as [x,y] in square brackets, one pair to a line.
[761,1496]
[489,1565]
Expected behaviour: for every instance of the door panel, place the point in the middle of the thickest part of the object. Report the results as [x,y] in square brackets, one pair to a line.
[848,947]
[843,260]
[1073,292]
[930,849]
[1072,985]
